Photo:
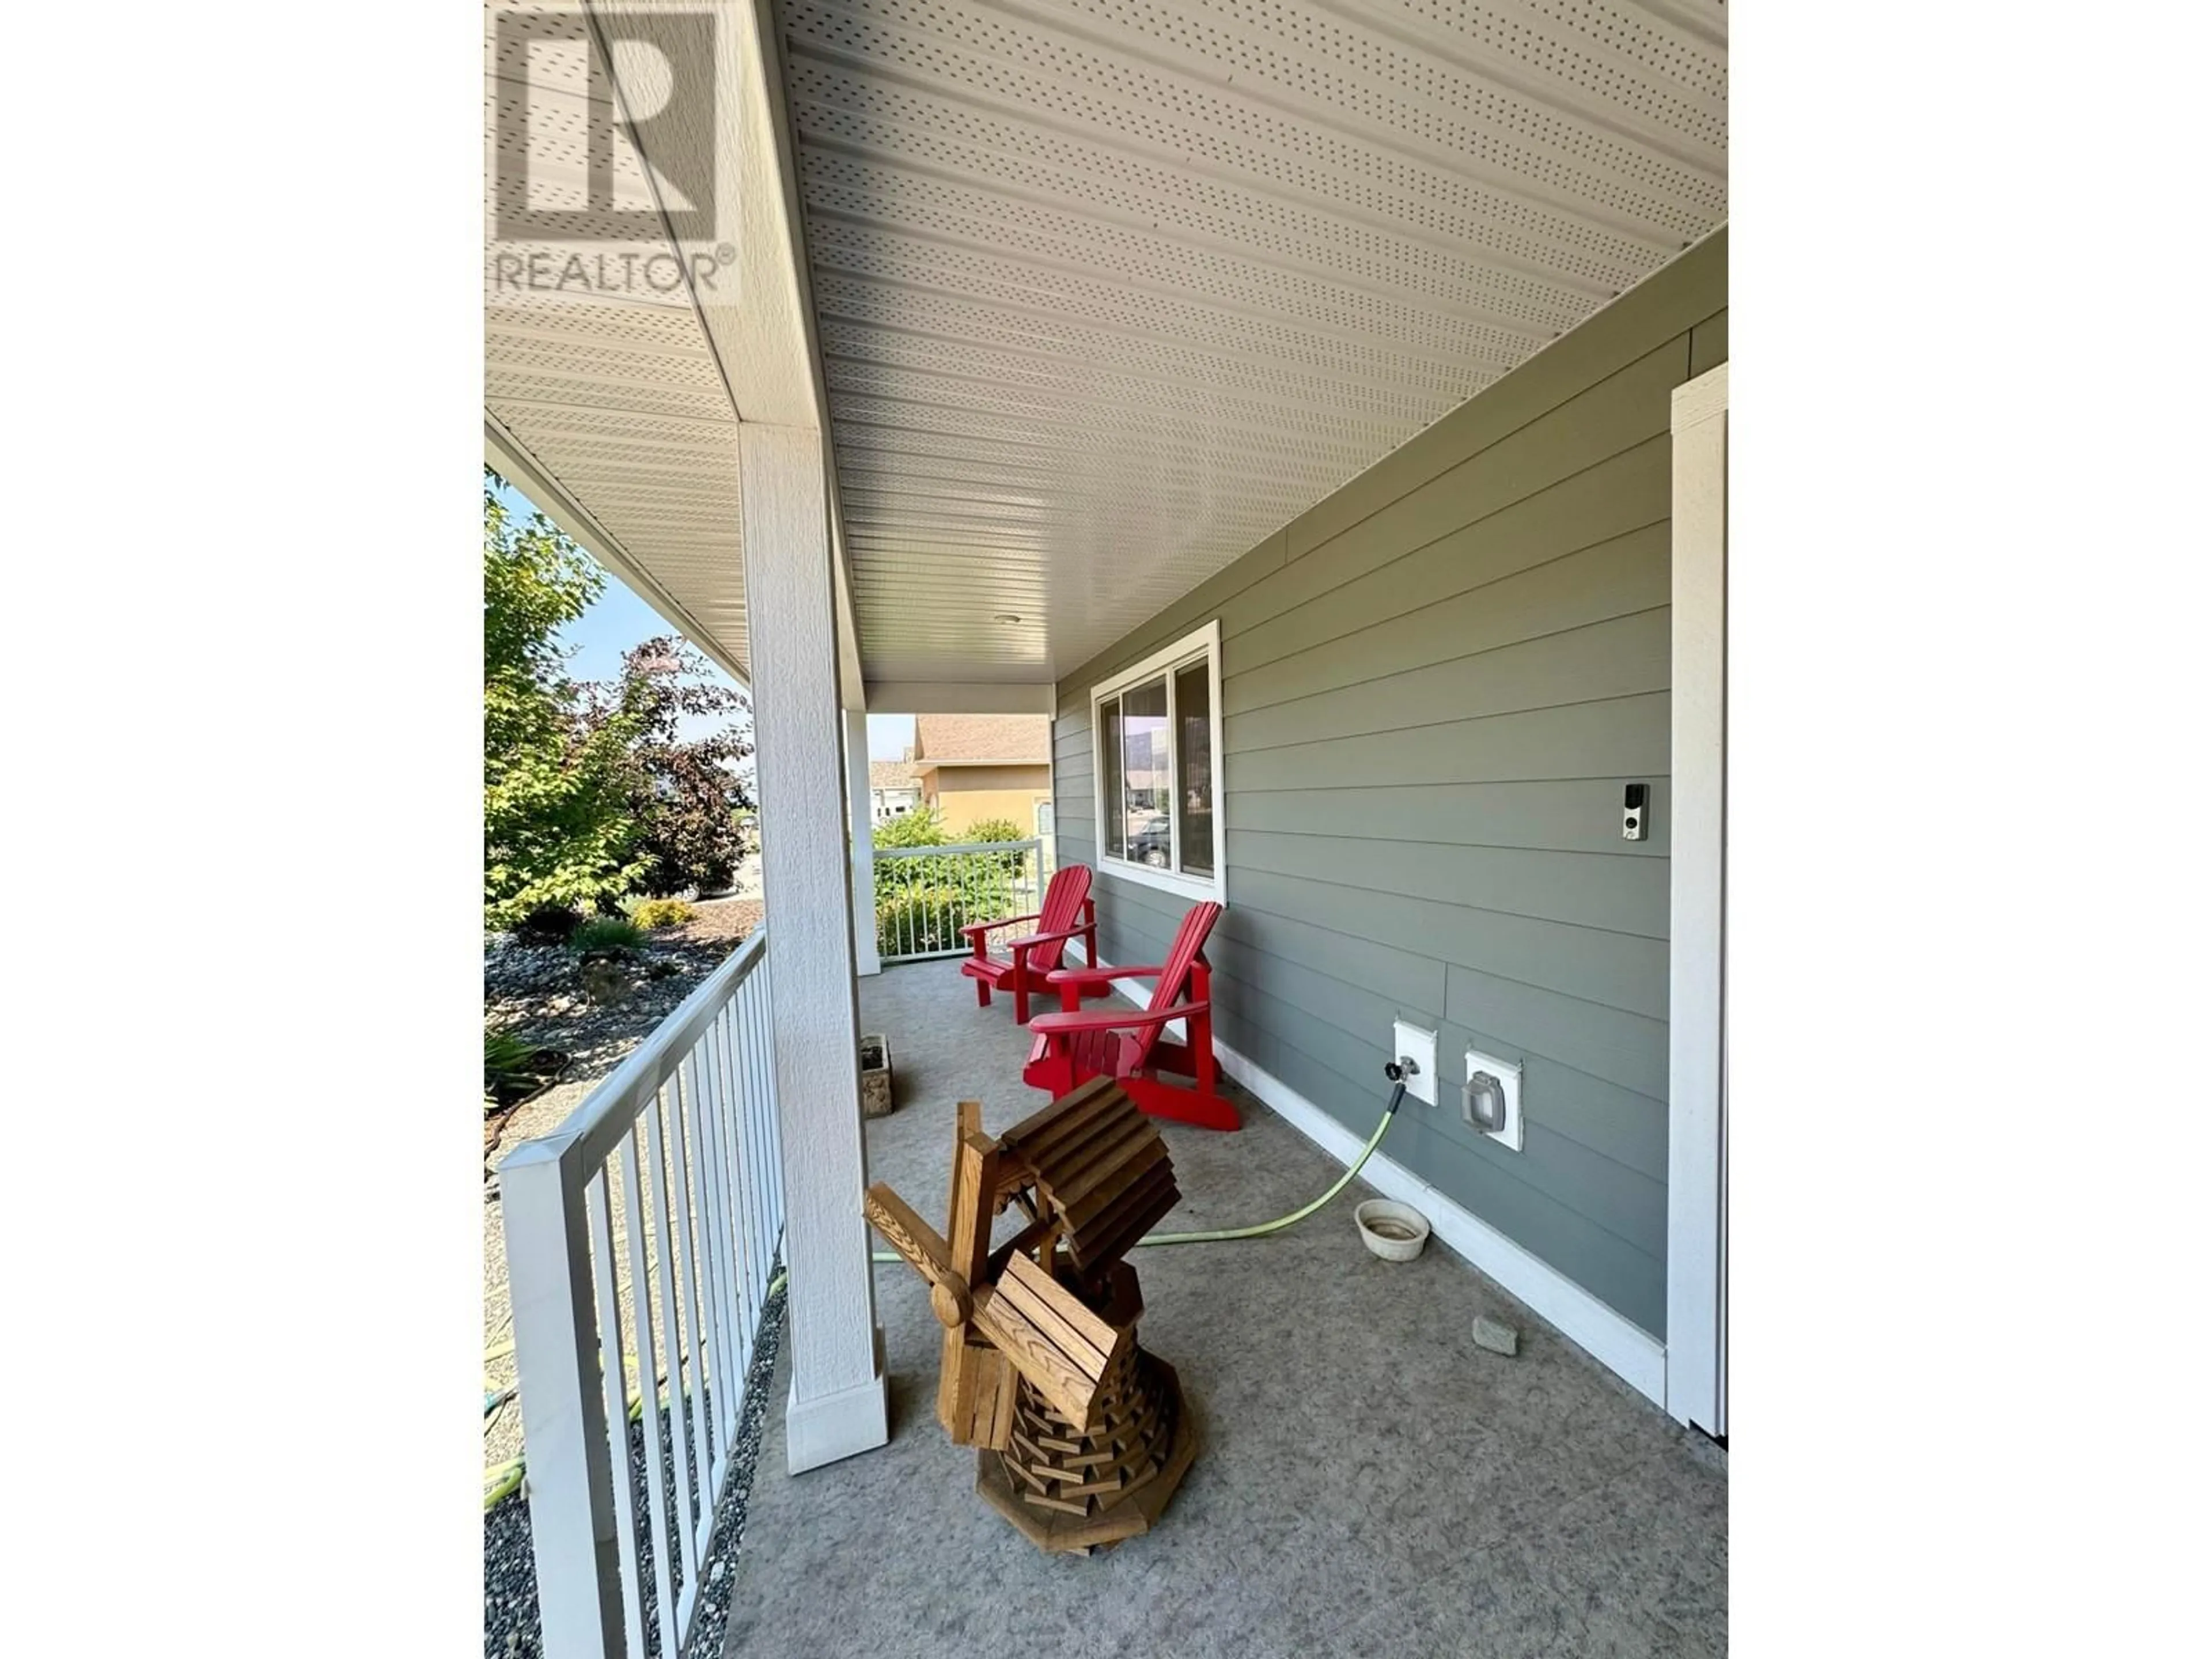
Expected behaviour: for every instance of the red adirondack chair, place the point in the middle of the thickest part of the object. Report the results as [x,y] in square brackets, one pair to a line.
[1068,913]
[1132,1046]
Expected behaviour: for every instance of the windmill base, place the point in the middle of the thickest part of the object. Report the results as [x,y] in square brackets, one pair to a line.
[1073,1491]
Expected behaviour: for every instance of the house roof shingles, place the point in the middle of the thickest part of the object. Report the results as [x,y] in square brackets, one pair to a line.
[1023,739]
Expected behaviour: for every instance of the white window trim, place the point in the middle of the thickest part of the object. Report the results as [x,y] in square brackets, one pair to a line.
[1208,641]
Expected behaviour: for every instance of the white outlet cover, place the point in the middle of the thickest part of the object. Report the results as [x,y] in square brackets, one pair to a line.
[1508,1072]
[1419,1043]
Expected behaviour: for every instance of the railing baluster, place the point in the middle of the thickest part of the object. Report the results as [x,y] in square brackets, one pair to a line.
[710,1323]
[600,1198]
[707,1066]
[718,1233]
[757,1198]
[648,1383]
[736,1340]
[741,1217]
[700,1107]
[687,1280]
[671,1342]
[771,1125]
[774,1093]
[771,1213]
[752,1010]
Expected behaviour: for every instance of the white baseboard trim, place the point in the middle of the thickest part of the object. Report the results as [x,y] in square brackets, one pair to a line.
[1614,1341]
[837,1425]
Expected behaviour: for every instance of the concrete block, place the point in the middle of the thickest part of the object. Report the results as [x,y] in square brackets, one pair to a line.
[1496,1336]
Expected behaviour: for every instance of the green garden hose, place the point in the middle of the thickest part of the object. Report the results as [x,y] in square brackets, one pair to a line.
[502,1479]
[500,1482]
[1261,1229]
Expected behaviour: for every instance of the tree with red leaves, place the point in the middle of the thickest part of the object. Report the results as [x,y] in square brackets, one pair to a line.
[690,797]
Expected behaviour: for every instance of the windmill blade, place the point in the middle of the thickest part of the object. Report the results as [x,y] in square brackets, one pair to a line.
[1060,1345]
[967,1120]
[1030,1350]
[975,1390]
[1055,1310]
[969,1374]
[907,1233]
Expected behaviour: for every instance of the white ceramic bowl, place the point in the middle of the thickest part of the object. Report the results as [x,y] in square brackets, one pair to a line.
[1392,1230]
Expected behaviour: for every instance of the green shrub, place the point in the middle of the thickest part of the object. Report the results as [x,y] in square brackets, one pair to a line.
[990,877]
[607,934]
[921,903]
[507,1063]
[660,913]
[922,826]
[922,918]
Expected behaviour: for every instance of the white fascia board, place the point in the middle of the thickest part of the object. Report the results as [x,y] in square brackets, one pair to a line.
[961,697]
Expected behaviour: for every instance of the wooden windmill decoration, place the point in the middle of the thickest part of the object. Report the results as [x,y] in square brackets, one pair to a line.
[1081,1435]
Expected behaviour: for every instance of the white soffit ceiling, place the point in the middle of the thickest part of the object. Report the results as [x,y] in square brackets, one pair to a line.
[616,398]
[1110,290]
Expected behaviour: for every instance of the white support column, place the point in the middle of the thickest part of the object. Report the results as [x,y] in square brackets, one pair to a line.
[837,1402]
[860,803]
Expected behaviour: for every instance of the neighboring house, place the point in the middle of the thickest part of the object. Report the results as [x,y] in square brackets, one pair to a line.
[893,789]
[974,766]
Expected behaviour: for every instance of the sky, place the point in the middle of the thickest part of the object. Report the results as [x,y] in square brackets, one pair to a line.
[597,639]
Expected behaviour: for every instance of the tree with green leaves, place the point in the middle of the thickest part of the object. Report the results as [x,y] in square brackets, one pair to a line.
[558,829]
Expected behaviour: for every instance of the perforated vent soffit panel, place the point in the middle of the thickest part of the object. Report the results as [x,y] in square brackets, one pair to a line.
[1108,290]
[616,397]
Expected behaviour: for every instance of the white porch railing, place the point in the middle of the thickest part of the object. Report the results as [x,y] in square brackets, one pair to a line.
[641,1236]
[925,895]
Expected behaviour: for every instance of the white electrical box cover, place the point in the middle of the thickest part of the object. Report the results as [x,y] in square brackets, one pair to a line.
[1508,1073]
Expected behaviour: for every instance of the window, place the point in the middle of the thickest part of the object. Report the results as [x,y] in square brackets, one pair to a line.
[1156,747]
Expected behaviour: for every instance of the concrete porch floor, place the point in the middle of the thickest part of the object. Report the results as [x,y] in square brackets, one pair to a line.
[1370,1481]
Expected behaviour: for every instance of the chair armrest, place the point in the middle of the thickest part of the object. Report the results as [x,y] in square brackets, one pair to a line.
[1135,1019]
[975,927]
[1101,976]
[1028,940]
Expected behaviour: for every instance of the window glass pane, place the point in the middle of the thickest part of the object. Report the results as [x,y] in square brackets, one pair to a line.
[1194,760]
[1147,778]
[1109,777]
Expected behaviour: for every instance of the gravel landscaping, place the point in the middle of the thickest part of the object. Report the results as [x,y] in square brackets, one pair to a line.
[544,994]
[537,991]
[510,1578]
